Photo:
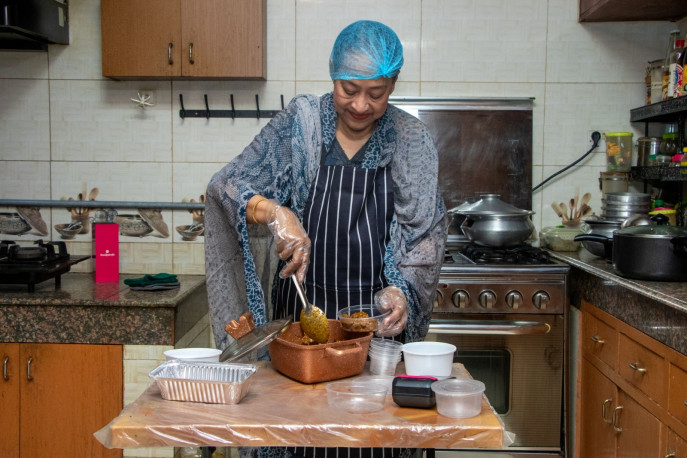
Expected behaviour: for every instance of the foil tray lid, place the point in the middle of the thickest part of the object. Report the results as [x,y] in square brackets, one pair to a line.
[257,338]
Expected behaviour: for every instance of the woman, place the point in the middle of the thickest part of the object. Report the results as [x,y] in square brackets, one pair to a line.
[347,185]
[345,175]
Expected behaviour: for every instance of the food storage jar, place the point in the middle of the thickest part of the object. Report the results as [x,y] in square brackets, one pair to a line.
[619,151]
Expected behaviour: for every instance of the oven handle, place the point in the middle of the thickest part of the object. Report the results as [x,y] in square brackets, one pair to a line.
[491,327]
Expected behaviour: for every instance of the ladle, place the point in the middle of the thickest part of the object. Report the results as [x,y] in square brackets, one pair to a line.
[313,320]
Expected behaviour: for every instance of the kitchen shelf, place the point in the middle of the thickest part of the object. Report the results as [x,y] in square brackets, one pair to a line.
[665,173]
[665,111]
[631,10]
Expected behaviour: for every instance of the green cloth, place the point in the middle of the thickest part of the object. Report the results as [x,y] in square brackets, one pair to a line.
[151,279]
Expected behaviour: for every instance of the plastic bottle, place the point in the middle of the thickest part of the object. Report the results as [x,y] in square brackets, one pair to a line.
[674,36]
[675,69]
[681,81]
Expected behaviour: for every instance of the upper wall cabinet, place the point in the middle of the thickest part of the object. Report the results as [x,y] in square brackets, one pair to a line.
[632,10]
[160,39]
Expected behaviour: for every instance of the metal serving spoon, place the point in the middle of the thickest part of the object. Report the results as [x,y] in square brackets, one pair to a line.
[314,322]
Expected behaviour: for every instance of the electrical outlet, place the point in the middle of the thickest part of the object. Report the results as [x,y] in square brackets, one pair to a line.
[601,147]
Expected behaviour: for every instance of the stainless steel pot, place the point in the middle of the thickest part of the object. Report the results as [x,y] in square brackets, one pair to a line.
[492,222]
[602,227]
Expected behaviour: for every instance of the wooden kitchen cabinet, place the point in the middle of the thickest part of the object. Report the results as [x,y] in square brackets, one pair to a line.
[633,392]
[55,396]
[161,39]
[631,10]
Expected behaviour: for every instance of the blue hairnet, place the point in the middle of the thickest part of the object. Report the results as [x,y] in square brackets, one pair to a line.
[366,50]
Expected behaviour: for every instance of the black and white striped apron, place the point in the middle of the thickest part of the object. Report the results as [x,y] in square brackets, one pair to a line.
[347,218]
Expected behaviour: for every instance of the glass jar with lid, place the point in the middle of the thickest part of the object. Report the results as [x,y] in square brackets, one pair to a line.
[619,151]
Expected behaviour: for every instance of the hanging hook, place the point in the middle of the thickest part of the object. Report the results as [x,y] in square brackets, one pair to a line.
[233,111]
[282,101]
[257,106]
[207,107]
[182,112]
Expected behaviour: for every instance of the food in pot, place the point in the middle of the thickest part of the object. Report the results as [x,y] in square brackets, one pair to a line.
[305,340]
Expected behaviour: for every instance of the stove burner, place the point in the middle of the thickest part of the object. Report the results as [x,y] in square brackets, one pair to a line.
[522,254]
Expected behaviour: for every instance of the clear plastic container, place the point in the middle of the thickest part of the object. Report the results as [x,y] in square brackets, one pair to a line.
[619,151]
[459,398]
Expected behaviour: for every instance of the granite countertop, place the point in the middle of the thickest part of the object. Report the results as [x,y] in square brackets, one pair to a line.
[659,309]
[82,311]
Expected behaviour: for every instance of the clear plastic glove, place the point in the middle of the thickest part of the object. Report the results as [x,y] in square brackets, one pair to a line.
[293,243]
[392,298]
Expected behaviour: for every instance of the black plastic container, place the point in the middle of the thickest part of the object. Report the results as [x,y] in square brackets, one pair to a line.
[413,391]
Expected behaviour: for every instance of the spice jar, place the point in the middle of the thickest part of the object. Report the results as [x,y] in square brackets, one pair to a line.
[619,151]
[669,146]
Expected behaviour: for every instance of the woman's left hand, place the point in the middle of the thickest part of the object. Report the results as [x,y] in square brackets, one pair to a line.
[392,298]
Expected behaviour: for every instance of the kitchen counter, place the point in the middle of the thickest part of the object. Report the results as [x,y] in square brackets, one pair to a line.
[82,311]
[303,418]
[658,309]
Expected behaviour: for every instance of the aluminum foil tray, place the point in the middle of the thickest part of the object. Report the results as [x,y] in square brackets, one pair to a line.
[211,383]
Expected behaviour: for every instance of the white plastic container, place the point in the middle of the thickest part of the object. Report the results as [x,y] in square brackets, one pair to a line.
[206,355]
[429,358]
[458,398]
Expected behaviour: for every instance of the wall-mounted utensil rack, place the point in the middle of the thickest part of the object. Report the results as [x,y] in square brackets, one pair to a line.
[233,113]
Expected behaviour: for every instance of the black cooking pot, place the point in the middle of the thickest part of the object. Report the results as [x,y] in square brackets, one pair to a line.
[657,252]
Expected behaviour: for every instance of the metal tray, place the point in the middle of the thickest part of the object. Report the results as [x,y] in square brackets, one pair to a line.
[211,383]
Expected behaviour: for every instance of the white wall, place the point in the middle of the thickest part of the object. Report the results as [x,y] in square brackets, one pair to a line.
[63,127]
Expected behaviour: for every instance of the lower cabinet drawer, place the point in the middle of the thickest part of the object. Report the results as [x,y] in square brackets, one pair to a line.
[600,340]
[642,368]
[677,393]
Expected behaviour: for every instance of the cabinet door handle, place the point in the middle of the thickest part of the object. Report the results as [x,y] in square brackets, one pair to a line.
[636,367]
[670,455]
[596,339]
[29,377]
[616,418]
[169,53]
[4,368]
[190,53]
[604,405]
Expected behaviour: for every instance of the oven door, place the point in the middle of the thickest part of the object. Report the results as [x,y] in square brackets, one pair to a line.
[520,360]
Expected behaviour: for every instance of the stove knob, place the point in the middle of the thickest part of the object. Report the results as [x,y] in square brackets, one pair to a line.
[487,299]
[514,299]
[541,300]
[460,298]
[438,299]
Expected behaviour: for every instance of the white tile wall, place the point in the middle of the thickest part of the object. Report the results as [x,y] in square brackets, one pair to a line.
[64,127]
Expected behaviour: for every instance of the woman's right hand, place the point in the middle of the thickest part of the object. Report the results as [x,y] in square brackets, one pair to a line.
[293,243]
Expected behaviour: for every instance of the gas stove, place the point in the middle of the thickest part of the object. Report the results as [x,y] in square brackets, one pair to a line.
[35,263]
[521,279]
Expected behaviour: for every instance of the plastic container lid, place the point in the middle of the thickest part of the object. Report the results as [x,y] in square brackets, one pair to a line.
[458,387]
[619,134]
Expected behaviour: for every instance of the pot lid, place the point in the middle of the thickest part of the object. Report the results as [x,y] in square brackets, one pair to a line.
[257,338]
[491,205]
[595,220]
[653,231]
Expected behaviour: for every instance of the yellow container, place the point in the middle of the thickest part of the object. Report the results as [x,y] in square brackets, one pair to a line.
[619,151]
[670,213]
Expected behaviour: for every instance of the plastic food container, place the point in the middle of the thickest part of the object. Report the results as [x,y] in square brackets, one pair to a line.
[355,396]
[458,398]
[434,359]
[194,354]
[561,238]
[367,324]
[211,383]
[619,151]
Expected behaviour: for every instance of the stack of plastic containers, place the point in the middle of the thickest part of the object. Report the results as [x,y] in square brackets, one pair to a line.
[385,354]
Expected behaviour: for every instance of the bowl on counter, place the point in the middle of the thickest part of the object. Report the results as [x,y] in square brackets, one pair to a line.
[356,396]
[429,358]
[458,398]
[13,224]
[133,225]
[561,238]
[194,354]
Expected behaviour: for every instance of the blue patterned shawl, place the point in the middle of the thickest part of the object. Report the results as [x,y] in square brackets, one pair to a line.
[281,163]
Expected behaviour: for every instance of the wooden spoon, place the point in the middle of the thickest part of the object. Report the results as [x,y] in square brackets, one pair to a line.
[557,210]
[93,194]
[564,209]
[314,322]
[586,197]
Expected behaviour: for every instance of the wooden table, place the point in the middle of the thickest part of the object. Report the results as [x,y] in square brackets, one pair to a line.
[278,411]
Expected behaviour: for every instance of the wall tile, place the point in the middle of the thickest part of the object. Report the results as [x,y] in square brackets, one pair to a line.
[25,126]
[23,64]
[97,121]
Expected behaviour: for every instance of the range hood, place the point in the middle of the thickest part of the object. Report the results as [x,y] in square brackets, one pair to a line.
[33,24]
